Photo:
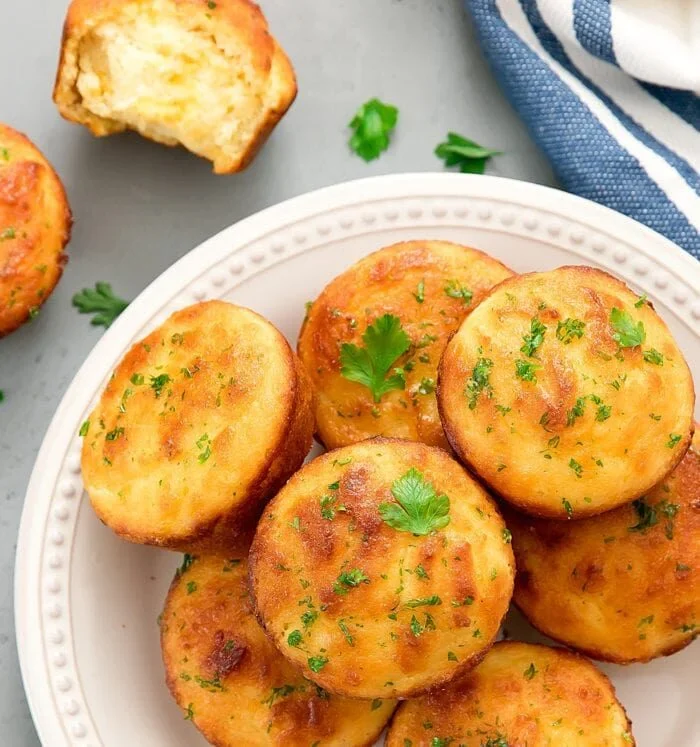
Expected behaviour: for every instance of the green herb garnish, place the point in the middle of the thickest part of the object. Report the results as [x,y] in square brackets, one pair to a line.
[653,356]
[454,289]
[348,580]
[158,383]
[373,125]
[101,302]
[479,381]
[385,342]
[526,370]
[468,155]
[569,329]
[533,340]
[418,509]
[316,663]
[627,333]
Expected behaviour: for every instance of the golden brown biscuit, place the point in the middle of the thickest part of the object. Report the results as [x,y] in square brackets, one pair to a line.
[233,684]
[202,74]
[200,423]
[35,225]
[430,286]
[382,569]
[623,586]
[520,695]
[566,393]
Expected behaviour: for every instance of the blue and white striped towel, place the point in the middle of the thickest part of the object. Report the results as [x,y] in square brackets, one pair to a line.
[609,90]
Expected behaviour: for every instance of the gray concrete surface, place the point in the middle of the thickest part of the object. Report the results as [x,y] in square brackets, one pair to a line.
[138,207]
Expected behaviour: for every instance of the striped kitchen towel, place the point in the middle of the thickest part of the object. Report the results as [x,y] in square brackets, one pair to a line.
[609,90]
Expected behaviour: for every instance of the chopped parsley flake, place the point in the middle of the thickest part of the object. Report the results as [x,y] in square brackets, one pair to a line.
[570,329]
[530,672]
[535,339]
[316,663]
[279,692]
[191,587]
[507,535]
[653,356]
[576,467]
[84,428]
[453,289]
[346,632]
[158,383]
[348,580]
[479,381]
[567,507]
[294,639]
[427,386]
[419,295]
[113,435]
[673,439]
[576,411]
[526,370]
[425,601]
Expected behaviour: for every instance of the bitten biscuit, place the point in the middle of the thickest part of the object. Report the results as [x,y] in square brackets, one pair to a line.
[428,287]
[202,421]
[521,694]
[35,225]
[382,569]
[623,586]
[233,684]
[204,74]
[566,393]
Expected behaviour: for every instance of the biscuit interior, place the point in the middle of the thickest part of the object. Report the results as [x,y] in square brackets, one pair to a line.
[206,76]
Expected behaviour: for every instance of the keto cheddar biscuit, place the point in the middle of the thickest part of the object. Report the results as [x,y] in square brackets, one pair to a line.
[372,340]
[382,569]
[566,393]
[233,684]
[202,421]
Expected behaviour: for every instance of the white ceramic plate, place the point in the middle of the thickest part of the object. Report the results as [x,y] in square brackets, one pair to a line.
[87,603]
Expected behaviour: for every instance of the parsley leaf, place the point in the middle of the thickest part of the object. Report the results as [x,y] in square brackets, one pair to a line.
[536,337]
[101,302]
[159,382]
[479,381]
[646,515]
[419,295]
[418,509]
[468,155]
[530,672]
[385,342]
[628,334]
[576,411]
[424,601]
[373,125]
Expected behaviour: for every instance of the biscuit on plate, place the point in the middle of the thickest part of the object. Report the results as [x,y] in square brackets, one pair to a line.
[566,393]
[35,225]
[520,694]
[206,75]
[623,586]
[382,569]
[233,684]
[429,287]
[200,423]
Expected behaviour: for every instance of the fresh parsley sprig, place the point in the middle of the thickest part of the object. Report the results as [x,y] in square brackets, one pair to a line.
[373,125]
[468,155]
[627,333]
[101,302]
[418,508]
[385,341]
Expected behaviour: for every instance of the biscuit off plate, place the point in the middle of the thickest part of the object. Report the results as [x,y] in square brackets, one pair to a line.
[87,603]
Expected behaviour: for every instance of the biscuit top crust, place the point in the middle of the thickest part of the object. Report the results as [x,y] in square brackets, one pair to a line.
[430,286]
[189,422]
[35,223]
[232,682]
[521,694]
[366,599]
[567,393]
[623,586]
